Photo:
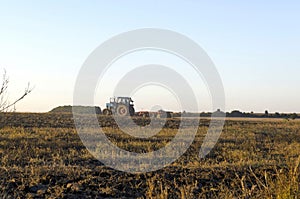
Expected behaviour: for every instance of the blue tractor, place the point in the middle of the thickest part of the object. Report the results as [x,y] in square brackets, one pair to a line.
[121,106]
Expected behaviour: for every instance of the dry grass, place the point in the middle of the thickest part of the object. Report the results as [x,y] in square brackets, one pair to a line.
[253,159]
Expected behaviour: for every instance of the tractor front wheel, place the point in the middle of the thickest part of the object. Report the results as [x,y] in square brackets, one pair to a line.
[107,112]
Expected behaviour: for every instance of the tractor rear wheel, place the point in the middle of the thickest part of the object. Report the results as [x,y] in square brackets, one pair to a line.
[107,112]
[122,110]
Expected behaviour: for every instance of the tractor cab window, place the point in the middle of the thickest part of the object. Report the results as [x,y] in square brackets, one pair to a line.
[124,100]
[131,101]
[121,100]
[112,99]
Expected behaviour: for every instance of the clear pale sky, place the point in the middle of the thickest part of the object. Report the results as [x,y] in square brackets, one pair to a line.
[255,46]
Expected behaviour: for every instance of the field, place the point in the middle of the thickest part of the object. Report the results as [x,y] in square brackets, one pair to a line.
[43,157]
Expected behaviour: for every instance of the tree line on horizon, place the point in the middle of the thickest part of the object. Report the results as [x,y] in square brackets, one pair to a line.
[218,113]
[237,113]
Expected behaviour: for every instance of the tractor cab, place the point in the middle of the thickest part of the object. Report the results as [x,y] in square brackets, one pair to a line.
[124,100]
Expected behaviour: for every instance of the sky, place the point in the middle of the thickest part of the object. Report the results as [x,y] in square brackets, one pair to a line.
[255,46]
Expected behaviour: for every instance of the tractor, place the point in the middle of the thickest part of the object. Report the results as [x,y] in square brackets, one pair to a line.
[121,106]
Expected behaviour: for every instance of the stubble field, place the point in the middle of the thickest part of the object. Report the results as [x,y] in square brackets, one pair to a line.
[42,156]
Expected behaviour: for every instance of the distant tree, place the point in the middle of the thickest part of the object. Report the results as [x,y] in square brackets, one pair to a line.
[293,116]
[236,113]
[284,115]
[266,113]
[5,104]
[219,113]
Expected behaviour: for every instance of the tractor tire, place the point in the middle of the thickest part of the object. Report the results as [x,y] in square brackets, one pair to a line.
[131,111]
[122,110]
[107,112]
